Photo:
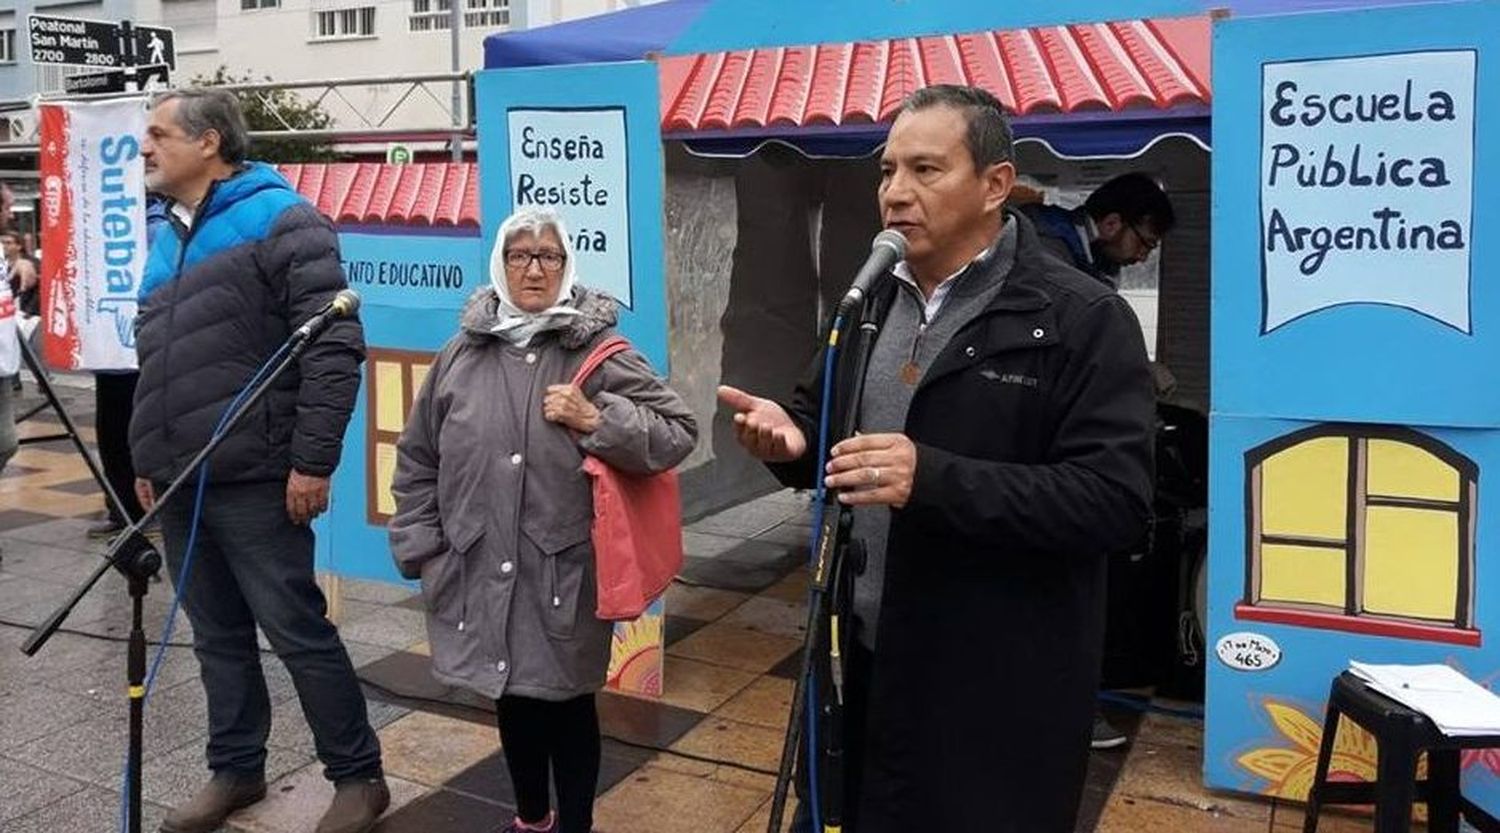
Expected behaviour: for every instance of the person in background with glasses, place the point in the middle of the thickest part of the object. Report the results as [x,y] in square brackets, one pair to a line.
[1119,225]
[494,511]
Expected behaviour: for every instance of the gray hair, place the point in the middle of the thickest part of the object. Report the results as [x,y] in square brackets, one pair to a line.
[200,109]
[535,220]
[989,136]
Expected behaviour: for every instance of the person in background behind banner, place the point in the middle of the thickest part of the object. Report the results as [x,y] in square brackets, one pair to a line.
[114,403]
[1119,225]
[1004,449]
[10,365]
[243,262]
[494,511]
[24,284]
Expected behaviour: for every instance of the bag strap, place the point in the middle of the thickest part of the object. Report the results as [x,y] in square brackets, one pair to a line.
[601,352]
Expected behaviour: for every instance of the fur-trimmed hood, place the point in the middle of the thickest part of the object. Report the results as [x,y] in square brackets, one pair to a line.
[598,311]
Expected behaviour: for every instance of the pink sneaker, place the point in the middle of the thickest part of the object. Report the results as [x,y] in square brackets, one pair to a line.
[518,826]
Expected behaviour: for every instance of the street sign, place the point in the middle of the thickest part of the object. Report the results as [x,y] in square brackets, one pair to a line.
[154,45]
[99,43]
[153,77]
[66,40]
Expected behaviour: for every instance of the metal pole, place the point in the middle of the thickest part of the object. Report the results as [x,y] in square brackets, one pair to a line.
[456,18]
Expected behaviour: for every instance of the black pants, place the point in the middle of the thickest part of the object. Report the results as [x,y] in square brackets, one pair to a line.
[538,735]
[114,402]
[253,566]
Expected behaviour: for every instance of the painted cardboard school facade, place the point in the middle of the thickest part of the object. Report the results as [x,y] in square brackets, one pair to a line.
[1354,317]
[1352,326]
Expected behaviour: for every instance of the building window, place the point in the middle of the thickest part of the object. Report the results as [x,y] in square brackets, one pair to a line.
[392,380]
[7,46]
[357,22]
[487,13]
[252,5]
[430,16]
[1365,529]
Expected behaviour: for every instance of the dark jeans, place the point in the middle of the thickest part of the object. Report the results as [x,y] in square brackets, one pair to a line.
[538,735]
[114,402]
[252,565]
[856,707]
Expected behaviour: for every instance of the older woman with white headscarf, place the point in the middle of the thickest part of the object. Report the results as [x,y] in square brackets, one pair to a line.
[493,509]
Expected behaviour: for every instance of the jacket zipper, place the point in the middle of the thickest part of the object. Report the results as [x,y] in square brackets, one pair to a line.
[185,234]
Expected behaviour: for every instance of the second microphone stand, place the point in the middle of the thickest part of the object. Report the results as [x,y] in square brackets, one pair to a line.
[133,555]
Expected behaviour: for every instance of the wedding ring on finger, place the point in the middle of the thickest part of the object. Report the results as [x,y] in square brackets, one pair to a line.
[875,476]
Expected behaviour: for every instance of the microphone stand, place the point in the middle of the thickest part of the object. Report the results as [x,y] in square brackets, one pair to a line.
[134,556]
[832,586]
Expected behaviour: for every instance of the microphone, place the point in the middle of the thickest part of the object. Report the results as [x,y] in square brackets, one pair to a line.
[343,305]
[888,248]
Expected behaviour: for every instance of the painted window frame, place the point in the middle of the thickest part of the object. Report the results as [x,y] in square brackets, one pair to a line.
[375,436]
[1352,618]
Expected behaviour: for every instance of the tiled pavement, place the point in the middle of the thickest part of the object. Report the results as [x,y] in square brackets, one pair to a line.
[699,761]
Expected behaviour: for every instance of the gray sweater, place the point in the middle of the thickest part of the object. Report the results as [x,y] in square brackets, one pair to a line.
[906,336]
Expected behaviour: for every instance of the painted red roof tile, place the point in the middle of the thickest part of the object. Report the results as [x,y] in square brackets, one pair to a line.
[436,194]
[1135,64]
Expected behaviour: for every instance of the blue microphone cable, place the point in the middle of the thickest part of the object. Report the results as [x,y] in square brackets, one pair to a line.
[819,492]
[187,563]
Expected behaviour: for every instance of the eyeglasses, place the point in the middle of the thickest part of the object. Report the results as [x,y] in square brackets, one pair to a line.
[549,261]
[1147,243]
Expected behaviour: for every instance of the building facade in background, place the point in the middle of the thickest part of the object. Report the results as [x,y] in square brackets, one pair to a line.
[298,40]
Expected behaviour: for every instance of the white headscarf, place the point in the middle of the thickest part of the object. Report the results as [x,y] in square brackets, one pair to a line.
[514,324]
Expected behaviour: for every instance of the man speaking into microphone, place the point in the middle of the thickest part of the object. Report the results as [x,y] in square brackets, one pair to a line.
[245,263]
[1005,448]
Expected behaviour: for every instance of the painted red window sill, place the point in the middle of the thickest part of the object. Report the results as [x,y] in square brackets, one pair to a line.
[1357,624]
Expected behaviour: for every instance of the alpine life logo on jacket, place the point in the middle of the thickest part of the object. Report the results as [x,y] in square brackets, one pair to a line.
[1007,378]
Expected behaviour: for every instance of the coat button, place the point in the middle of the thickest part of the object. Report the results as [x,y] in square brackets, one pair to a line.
[515,459]
[970,351]
[1037,333]
[506,566]
[501,666]
[531,358]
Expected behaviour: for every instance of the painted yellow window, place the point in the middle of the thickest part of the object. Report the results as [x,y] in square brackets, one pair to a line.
[1308,575]
[1400,470]
[392,379]
[1389,507]
[1410,568]
[1304,490]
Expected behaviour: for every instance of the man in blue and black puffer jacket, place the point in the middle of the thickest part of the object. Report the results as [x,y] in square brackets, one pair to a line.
[243,263]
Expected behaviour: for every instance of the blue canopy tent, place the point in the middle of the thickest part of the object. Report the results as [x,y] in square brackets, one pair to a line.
[625,35]
[658,29]
[685,27]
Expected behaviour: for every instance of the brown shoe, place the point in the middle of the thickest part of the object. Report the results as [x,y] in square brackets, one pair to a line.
[222,795]
[356,806]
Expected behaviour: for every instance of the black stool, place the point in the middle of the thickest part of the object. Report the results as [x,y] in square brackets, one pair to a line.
[1401,734]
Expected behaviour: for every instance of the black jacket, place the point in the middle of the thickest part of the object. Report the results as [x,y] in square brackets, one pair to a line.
[1034,461]
[217,301]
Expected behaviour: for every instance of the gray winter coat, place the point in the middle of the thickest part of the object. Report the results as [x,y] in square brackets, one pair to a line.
[493,510]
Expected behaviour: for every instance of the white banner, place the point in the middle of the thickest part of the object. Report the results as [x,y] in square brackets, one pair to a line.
[93,231]
[1367,184]
[574,162]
